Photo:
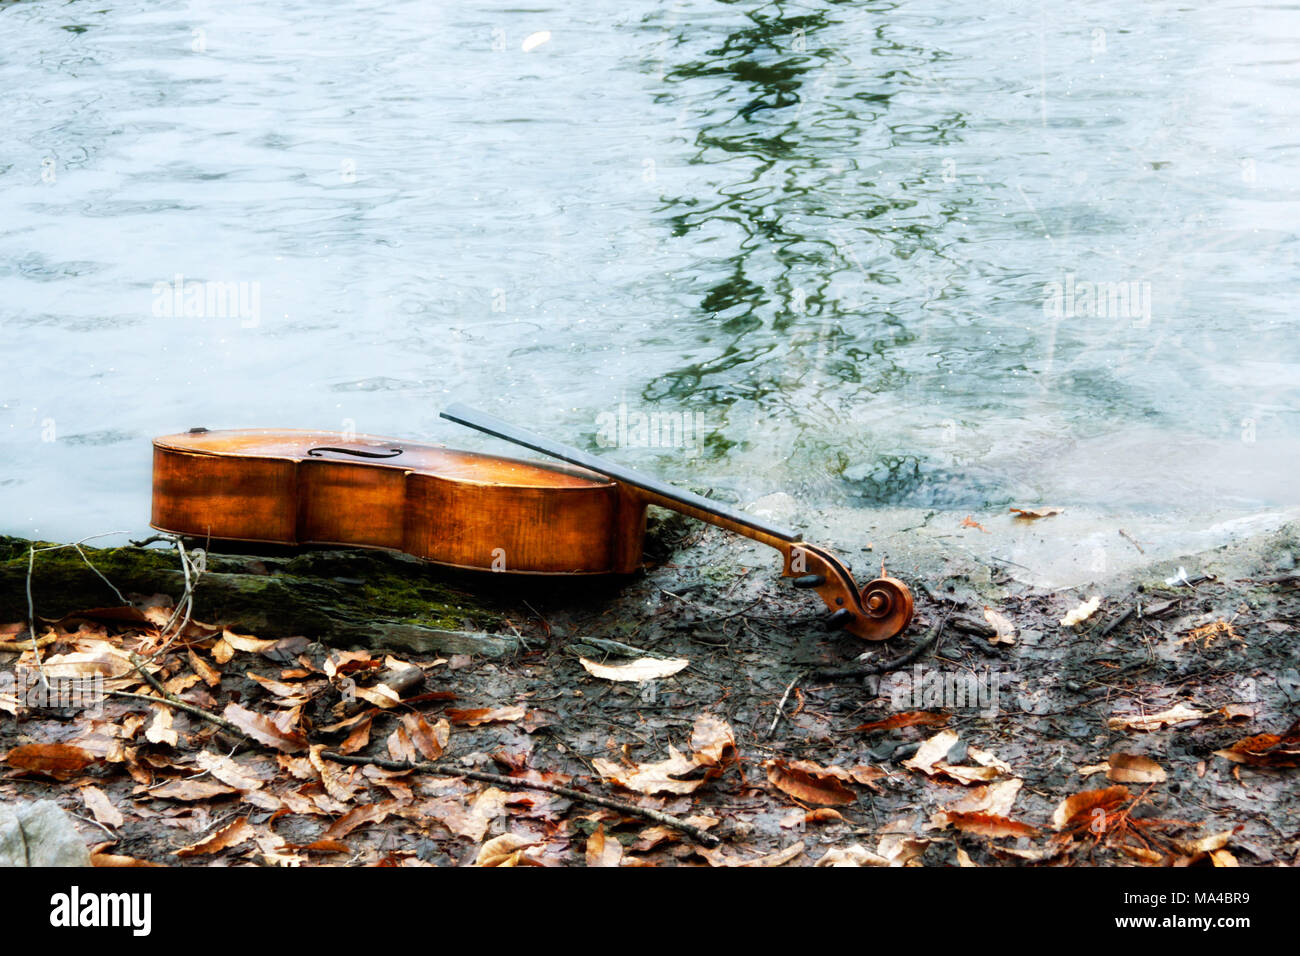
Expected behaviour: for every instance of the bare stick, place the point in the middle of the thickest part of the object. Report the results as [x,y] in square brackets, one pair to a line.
[884,667]
[655,816]
[780,708]
[170,698]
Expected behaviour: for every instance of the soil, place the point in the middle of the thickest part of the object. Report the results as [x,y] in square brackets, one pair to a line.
[1221,640]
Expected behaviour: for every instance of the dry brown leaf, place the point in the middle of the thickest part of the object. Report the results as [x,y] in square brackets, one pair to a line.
[932,751]
[717,857]
[912,718]
[190,788]
[643,669]
[988,825]
[963,858]
[59,761]
[245,642]
[1266,750]
[160,730]
[969,522]
[854,855]
[339,781]
[1033,513]
[603,850]
[1081,613]
[428,739]
[118,860]
[230,835]
[1133,768]
[1178,714]
[271,732]
[650,778]
[713,741]
[98,803]
[359,816]
[487,715]
[211,676]
[1005,630]
[506,850]
[400,747]
[809,783]
[228,771]
[1078,808]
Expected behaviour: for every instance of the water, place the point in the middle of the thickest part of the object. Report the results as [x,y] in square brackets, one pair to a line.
[825,232]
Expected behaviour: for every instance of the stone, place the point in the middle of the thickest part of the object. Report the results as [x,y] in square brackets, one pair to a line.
[39,833]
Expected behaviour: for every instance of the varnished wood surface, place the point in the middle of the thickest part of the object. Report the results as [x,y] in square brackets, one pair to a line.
[464,509]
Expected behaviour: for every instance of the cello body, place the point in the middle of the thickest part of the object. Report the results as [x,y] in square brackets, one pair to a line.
[464,509]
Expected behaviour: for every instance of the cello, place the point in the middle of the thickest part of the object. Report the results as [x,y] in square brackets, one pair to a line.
[583,515]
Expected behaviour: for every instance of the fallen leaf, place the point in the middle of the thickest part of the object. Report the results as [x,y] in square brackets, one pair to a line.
[359,816]
[1178,714]
[265,730]
[160,730]
[339,781]
[228,771]
[230,835]
[660,777]
[487,715]
[969,522]
[245,642]
[1266,750]
[988,825]
[932,751]
[98,803]
[1082,612]
[602,850]
[118,860]
[1132,768]
[190,788]
[428,739]
[717,857]
[713,741]
[400,747]
[809,783]
[1005,630]
[1034,513]
[211,676]
[853,855]
[644,669]
[59,761]
[1078,808]
[505,850]
[912,718]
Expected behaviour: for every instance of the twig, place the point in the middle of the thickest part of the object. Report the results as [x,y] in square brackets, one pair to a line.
[176,701]
[31,605]
[921,648]
[1131,540]
[655,816]
[780,707]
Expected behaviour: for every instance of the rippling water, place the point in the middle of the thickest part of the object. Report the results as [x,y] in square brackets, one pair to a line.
[863,246]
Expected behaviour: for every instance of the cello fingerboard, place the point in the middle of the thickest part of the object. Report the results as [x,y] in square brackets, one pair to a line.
[500,428]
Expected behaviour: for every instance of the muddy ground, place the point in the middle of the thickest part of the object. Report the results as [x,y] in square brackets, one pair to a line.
[812,782]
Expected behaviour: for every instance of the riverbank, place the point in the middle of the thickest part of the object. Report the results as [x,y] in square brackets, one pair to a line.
[1017,741]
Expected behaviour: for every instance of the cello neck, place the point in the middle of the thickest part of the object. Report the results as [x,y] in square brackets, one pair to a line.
[651,490]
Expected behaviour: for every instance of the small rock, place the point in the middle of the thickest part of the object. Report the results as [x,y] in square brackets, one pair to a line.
[39,834]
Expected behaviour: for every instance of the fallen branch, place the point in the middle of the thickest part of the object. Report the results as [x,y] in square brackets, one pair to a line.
[884,667]
[170,698]
[515,783]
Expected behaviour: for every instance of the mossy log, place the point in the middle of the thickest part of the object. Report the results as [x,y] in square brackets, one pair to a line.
[340,597]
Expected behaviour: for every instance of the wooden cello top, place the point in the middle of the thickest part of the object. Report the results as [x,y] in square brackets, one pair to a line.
[451,463]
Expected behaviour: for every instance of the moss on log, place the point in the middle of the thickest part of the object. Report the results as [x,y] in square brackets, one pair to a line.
[340,597]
